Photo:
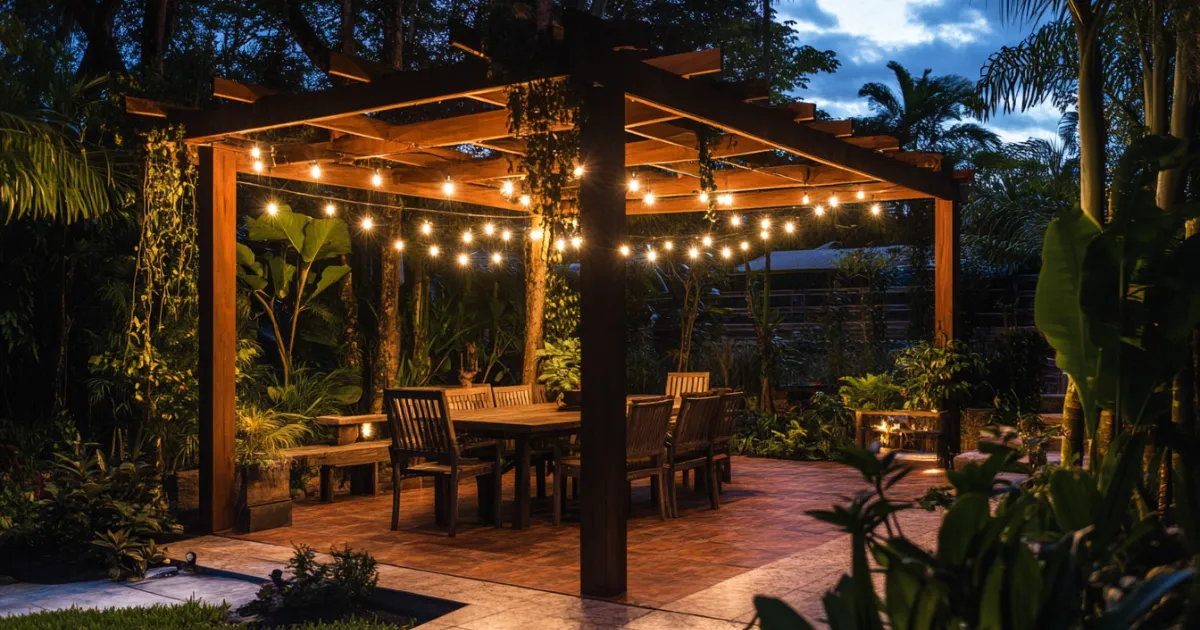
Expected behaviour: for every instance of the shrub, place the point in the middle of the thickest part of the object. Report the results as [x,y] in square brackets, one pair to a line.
[936,376]
[192,615]
[560,365]
[319,590]
[816,433]
[263,435]
[873,392]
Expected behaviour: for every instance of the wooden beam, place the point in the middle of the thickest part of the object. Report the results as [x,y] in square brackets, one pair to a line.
[695,100]
[146,107]
[839,128]
[802,112]
[361,125]
[787,197]
[236,91]
[466,129]
[689,64]
[356,68]
[947,253]
[875,143]
[811,178]
[399,89]
[216,378]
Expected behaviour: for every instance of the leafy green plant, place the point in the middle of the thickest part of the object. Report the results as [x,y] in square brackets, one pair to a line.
[560,365]
[319,590]
[286,283]
[937,375]
[127,556]
[823,428]
[263,435]
[872,391]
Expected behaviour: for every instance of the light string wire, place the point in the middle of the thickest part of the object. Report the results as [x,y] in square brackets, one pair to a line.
[508,217]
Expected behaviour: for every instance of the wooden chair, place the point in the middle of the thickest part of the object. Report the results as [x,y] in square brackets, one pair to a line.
[421,428]
[646,428]
[513,396]
[464,398]
[690,445]
[680,383]
[732,405]
[539,394]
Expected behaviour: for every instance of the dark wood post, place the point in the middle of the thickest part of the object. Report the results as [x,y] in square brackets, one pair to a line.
[946,254]
[218,335]
[602,324]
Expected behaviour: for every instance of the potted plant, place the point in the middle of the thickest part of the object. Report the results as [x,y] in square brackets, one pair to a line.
[560,370]
[264,499]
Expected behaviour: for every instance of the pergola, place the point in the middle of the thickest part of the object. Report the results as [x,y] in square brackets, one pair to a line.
[635,107]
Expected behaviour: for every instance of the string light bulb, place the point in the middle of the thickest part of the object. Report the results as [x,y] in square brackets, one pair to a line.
[707,240]
[434,251]
[860,194]
[255,152]
[467,237]
[272,208]
[535,234]
[376,179]
[652,255]
[399,245]
[315,170]
[668,245]
[726,199]
[507,188]
[833,201]
[819,211]
[367,223]
[634,185]
[526,200]
[703,197]
[804,199]
[765,235]
[789,227]
[330,210]
[505,235]
[560,245]
[427,228]
[497,258]
[875,209]
[765,224]
[624,249]
[726,252]
[745,246]
[693,253]
[576,242]
[735,220]
[258,166]
[578,172]
[648,198]
[448,187]
[489,229]
[463,259]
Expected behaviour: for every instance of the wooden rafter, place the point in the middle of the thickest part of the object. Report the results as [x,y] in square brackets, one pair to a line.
[785,197]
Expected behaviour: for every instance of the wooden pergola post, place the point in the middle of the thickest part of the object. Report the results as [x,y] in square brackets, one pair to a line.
[602,531]
[218,335]
[946,268]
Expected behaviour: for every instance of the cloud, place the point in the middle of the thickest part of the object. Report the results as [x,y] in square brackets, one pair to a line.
[886,25]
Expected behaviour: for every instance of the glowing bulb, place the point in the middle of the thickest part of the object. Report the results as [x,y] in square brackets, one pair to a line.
[765,235]
[489,229]
[576,242]
[560,245]
[625,250]
[819,211]
[735,221]
[648,199]
[860,194]
[703,197]
[505,235]
[367,223]
[707,240]
[652,255]
[434,251]
[255,152]
[468,237]
[833,201]
[272,208]
[258,166]
[668,245]
[497,258]
[804,199]
[463,259]
[330,210]
[399,245]
[789,227]
[315,170]
[727,199]
[765,223]
[578,172]
[535,234]
[633,184]
[693,253]
[525,200]
[448,187]
[507,188]
[745,245]
[376,179]
[875,209]
[726,252]
[427,228]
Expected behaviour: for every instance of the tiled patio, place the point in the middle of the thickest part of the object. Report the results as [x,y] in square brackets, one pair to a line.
[761,525]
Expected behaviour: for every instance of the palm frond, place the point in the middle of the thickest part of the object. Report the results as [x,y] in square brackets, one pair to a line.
[46,175]
[1043,66]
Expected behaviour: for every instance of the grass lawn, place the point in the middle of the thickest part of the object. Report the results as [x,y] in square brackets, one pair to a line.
[187,616]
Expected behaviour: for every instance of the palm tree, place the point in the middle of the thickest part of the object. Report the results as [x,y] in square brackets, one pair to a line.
[927,114]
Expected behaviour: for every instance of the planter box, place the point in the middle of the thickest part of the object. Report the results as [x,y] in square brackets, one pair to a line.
[264,499]
[941,426]
[974,419]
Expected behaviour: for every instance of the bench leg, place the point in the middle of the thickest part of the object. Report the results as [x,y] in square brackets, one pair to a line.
[326,484]
[364,480]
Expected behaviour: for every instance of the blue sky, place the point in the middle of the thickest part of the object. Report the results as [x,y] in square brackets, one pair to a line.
[948,36]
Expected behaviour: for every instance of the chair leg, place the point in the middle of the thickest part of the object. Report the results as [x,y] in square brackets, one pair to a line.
[714,495]
[541,478]
[452,504]
[439,500]
[655,489]
[575,488]
[559,494]
[684,478]
[671,494]
[727,471]
[657,482]
[395,497]
[498,495]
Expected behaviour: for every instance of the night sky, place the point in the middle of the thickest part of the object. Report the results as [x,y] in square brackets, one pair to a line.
[948,36]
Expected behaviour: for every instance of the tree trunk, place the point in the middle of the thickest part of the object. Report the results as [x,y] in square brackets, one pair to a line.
[350,341]
[1170,182]
[1092,127]
[387,350]
[347,32]
[766,41]
[766,397]
[535,299]
[102,55]
[393,34]
[302,31]
[158,25]
[420,310]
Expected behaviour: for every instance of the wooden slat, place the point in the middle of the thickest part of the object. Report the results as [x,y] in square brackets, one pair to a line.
[802,112]
[356,68]
[469,128]
[360,125]
[839,128]
[732,180]
[145,107]
[875,143]
[237,91]
[776,198]
[689,64]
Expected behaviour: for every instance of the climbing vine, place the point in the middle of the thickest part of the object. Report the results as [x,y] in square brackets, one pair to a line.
[544,113]
[708,183]
[562,304]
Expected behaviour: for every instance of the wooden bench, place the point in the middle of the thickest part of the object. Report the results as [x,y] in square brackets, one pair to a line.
[346,429]
[361,457]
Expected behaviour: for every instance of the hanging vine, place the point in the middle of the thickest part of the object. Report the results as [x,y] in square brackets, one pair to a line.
[544,113]
[706,137]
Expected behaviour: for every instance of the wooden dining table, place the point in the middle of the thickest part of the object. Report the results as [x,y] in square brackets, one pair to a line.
[523,425]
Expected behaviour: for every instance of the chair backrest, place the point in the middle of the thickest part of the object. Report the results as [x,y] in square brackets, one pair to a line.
[420,424]
[513,396]
[693,426]
[732,404]
[465,398]
[646,427]
[539,394]
[680,383]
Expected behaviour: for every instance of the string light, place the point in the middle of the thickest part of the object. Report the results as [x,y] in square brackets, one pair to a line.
[745,245]
[255,152]
[707,240]
[258,166]
[804,199]
[330,210]
[535,234]
[367,223]
[703,197]
[651,255]
[576,242]
[399,245]
[427,228]
[735,220]
[272,208]
[497,258]
[765,224]
[875,209]
[726,252]
[525,200]
[624,250]
[448,187]
[648,198]
[578,172]
[789,227]
[765,235]
[507,188]
[489,229]
[726,199]
[315,170]
[560,245]
[376,179]
[693,253]
[833,201]
[434,251]
[634,185]
[505,235]
[668,245]
[819,211]
[463,259]
[468,237]
[860,194]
